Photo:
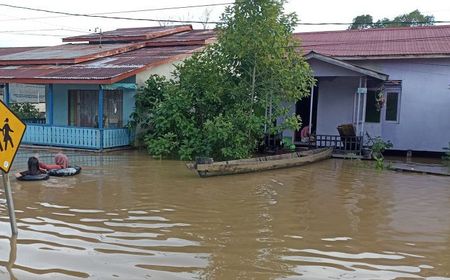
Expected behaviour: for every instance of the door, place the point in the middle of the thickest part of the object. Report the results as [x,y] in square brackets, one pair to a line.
[372,126]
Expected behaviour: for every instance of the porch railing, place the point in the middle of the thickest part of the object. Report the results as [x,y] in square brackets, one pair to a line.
[76,137]
[349,144]
[114,137]
[35,121]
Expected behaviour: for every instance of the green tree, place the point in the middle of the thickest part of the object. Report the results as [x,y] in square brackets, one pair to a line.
[25,110]
[226,97]
[362,22]
[414,18]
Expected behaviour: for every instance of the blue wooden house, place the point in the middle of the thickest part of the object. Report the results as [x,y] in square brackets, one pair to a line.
[90,82]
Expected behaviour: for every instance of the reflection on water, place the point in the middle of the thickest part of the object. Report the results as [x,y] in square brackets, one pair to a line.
[127,216]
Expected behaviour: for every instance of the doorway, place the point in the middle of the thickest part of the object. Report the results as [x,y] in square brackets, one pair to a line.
[303,109]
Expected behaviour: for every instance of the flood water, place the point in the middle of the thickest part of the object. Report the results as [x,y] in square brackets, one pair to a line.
[128,216]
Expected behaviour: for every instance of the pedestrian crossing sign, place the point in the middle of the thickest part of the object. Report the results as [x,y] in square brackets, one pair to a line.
[12,130]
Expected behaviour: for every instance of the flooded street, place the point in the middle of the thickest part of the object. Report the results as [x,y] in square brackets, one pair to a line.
[127,216]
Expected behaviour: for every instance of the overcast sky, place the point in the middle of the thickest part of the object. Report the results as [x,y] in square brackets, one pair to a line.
[17,26]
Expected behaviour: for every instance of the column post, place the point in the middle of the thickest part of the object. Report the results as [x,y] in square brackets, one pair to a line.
[358,114]
[50,105]
[311,107]
[101,94]
[364,108]
[6,95]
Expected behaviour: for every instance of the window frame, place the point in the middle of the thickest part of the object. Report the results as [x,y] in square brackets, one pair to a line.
[398,91]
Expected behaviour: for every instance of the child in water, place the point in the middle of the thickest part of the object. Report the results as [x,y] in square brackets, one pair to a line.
[61,162]
[33,168]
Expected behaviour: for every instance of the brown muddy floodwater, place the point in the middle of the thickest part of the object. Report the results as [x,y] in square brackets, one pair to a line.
[127,216]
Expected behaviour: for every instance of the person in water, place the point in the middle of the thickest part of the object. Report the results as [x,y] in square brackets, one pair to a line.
[6,130]
[33,168]
[61,162]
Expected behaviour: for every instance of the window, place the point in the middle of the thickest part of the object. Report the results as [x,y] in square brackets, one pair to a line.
[83,108]
[372,107]
[113,109]
[393,89]
[392,102]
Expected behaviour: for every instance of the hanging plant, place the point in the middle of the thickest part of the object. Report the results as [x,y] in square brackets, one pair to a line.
[380,100]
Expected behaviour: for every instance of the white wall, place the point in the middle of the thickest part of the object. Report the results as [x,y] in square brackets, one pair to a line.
[162,70]
[323,69]
[424,123]
[335,103]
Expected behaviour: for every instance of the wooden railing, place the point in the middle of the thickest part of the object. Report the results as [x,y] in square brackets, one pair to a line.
[114,137]
[35,121]
[76,137]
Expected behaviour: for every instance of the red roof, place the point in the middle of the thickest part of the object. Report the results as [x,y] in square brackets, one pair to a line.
[194,37]
[106,70]
[66,54]
[130,34]
[375,43]
[101,64]
[5,51]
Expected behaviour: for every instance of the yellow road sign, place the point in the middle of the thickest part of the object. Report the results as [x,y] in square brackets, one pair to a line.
[12,130]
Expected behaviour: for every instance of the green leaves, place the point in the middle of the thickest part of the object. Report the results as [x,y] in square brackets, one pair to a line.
[414,18]
[25,110]
[224,97]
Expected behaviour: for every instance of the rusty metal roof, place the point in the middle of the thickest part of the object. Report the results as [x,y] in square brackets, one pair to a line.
[65,54]
[105,70]
[130,34]
[380,42]
[104,63]
[5,51]
[195,37]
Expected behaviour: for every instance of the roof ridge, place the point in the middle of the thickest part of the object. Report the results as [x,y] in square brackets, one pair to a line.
[375,29]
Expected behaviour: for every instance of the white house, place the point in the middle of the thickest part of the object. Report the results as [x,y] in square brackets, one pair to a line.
[393,83]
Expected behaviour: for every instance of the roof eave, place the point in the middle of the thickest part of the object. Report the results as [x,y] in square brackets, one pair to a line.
[348,66]
[103,81]
[386,57]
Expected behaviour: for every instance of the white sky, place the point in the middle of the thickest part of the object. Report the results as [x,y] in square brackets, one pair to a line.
[308,11]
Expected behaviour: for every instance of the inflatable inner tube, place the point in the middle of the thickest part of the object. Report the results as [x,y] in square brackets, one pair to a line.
[28,177]
[69,171]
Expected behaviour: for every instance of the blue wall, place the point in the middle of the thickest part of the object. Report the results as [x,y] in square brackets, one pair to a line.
[61,102]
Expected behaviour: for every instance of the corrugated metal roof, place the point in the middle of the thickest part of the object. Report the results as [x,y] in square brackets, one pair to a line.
[5,51]
[195,37]
[409,41]
[65,54]
[105,70]
[130,34]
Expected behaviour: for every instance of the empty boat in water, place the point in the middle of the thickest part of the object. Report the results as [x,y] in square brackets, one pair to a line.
[207,169]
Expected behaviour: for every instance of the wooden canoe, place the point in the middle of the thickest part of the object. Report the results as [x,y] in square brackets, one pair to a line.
[261,163]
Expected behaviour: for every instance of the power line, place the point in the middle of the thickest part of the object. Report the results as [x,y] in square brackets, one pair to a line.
[39,35]
[166,8]
[101,16]
[40,30]
[373,24]
[133,11]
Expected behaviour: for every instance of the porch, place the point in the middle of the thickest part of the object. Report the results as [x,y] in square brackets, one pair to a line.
[76,137]
[71,116]
[344,94]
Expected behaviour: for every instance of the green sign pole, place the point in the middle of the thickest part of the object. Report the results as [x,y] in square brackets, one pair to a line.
[10,203]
